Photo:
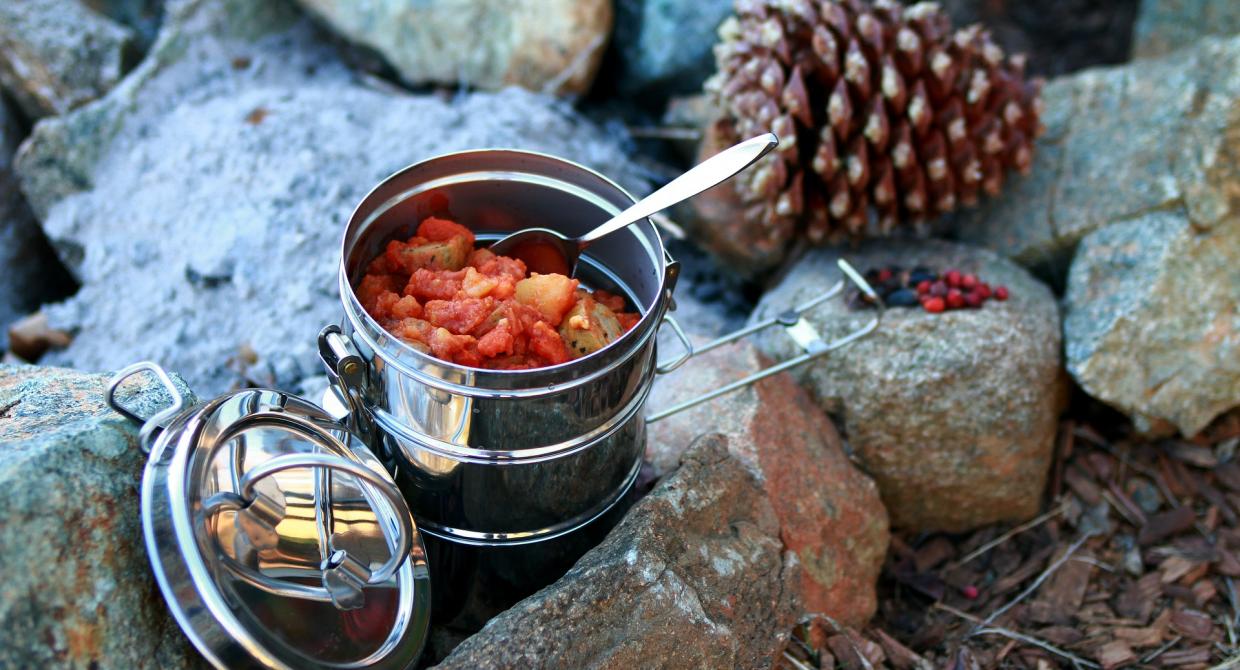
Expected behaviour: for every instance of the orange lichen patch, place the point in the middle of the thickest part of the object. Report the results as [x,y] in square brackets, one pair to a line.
[469,306]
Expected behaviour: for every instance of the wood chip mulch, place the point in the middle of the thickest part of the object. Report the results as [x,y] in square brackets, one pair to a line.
[1135,562]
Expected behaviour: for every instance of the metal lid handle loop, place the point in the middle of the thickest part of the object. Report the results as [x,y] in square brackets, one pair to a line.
[158,421]
[343,590]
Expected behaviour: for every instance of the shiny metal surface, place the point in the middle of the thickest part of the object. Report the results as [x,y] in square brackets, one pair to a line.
[509,457]
[306,510]
[711,172]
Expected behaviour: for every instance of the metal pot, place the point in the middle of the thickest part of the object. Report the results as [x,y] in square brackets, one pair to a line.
[504,458]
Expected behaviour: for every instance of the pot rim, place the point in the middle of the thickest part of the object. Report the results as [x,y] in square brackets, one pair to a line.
[355,310]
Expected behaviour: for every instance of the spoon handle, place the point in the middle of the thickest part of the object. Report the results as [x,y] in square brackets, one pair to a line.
[708,173]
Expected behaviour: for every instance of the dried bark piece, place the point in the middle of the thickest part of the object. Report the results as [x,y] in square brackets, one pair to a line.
[1116,654]
[1194,625]
[899,656]
[1137,600]
[31,337]
[1167,524]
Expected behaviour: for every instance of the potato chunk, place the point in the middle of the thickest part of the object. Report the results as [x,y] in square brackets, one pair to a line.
[589,326]
[552,295]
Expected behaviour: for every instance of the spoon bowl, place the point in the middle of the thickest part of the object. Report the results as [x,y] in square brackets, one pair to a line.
[546,251]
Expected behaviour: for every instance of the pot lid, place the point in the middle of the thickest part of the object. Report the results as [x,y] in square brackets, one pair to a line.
[277,537]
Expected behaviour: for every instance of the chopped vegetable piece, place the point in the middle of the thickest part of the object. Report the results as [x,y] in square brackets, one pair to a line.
[551,295]
[589,326]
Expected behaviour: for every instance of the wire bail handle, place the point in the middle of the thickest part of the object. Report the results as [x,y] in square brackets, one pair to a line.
[794,323]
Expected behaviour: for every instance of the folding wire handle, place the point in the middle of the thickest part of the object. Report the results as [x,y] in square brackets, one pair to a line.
[794,322]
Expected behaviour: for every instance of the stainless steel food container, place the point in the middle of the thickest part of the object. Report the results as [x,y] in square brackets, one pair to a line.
[491,457]
[501,459]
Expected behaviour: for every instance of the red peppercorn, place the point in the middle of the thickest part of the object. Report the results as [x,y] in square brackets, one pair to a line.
[1001,293]
[884,275]
[983,290]
[970,592]
[952,277]
[934,305]
[973,300]
[938,289]
[968,281]
[923,287]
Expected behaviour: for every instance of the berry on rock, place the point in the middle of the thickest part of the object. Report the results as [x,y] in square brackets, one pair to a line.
[935,292]
[955,299]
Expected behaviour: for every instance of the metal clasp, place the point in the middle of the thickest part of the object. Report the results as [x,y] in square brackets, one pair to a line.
[348,373]
[158,421]
[794,323]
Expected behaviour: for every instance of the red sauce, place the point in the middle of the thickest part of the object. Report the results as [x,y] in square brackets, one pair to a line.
[439,294]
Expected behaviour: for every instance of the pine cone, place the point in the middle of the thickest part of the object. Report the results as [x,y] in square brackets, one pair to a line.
[885,115]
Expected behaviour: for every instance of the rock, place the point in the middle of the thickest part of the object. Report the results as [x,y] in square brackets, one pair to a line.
[1152,319]
[549,46]
[663,47]
[831,519]
[57,54]
[241,145]
[143,17]
[692,578]
[953,414]
[1166,25]
[1122,141]
[78,591]
[1059,36]
[29,271]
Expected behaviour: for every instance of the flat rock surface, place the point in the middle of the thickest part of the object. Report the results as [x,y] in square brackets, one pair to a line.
[953,414]
[694,577]
[551,46]
[830,516]
[1119,142]
[1166,25]
[1152,319]
[57,54]
[240,146]
[78,590]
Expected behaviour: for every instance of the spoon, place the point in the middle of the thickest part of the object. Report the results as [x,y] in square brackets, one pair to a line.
[546,251]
